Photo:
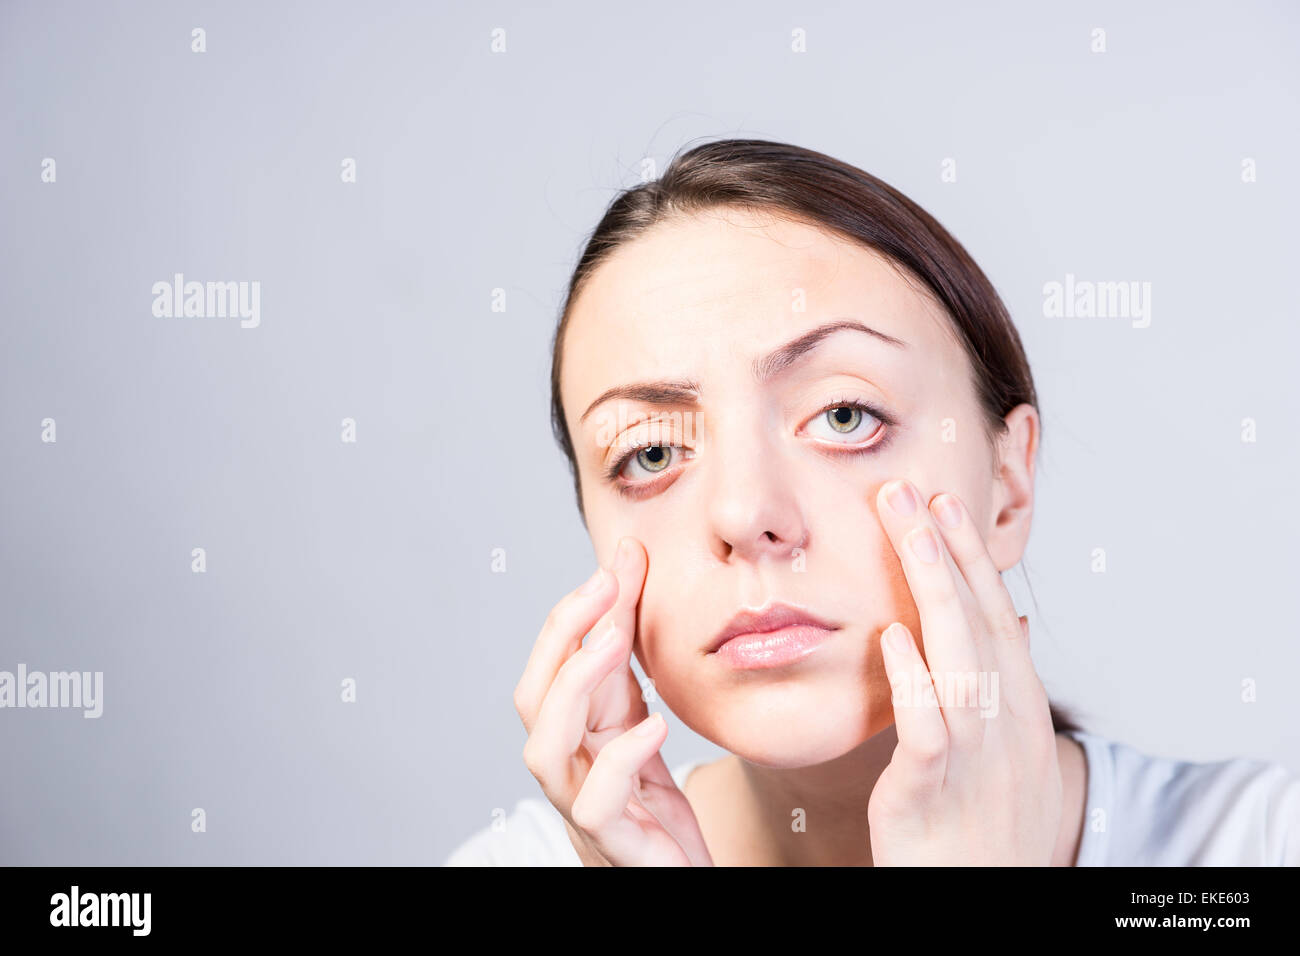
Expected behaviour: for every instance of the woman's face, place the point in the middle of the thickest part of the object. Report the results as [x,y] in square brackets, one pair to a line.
[767,491]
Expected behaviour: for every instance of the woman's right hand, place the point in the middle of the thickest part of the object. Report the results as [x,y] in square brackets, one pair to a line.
[591,744]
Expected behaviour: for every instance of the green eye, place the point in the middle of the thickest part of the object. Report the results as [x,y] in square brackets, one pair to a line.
[849,422]
[647,462]
[844,419]
[654,458]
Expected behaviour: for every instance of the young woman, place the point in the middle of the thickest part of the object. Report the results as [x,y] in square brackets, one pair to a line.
[803,434]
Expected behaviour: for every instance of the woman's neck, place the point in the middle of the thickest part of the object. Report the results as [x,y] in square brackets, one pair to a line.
[753,815]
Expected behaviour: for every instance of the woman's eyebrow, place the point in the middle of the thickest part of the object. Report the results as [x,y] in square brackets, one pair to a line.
[652,393]
[782,358]
[677,394]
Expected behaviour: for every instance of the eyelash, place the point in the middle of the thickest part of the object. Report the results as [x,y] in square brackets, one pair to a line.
[641,489]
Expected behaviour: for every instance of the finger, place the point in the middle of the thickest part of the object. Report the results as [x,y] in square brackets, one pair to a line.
[617,703]
[1008,646]
[661,796]
[599,808]
[922,750]
[560,636]
[560,728]
[587,854]
[952,646]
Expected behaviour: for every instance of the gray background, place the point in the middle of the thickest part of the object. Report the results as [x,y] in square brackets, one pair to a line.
[479,171]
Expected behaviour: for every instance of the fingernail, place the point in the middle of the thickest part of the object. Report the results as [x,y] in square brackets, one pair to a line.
[594,583]
[896,638]
[605,637]
[947,511]
[649,725]
[621,555]
[901,498]
[923,545]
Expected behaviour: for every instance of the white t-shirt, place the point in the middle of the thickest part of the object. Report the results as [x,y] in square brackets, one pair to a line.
[1140,811]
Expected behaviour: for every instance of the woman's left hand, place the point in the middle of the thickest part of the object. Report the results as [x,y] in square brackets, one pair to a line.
[974,779]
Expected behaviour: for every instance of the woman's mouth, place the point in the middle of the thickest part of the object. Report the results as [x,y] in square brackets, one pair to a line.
[776,637]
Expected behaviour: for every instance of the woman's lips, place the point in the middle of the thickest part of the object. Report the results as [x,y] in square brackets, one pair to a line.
[773,648]
[775,637]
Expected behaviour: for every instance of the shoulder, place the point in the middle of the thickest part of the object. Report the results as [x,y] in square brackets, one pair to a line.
[1147,810]
[532,835]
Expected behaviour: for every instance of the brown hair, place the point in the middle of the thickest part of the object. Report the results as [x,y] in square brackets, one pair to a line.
[809,186]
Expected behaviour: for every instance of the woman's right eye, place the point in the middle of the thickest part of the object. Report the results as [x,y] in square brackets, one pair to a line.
[651,460]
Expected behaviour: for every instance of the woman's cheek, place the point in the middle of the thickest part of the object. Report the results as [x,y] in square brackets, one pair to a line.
[667,630]
[650,616]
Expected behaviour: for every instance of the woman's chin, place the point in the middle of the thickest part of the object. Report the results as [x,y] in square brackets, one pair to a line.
[792,728]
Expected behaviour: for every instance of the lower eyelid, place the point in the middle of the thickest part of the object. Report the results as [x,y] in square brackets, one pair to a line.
[641,489]
[882,437]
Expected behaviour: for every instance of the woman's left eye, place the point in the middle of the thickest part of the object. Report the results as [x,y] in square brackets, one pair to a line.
[846,423]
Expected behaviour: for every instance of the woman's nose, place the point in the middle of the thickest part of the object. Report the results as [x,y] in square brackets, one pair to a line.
[753,509]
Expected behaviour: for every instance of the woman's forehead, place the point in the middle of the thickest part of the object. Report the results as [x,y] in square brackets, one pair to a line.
[700,262]
[712,287]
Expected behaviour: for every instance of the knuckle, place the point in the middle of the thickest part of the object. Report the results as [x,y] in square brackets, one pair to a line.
[583,814]
[572,673]
[928,753]
[521,701]
[1007,635]
[553,618]
[532,759]
[944,596]
[560,614]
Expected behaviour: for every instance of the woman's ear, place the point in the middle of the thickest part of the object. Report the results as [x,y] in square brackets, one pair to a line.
[1013,491]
